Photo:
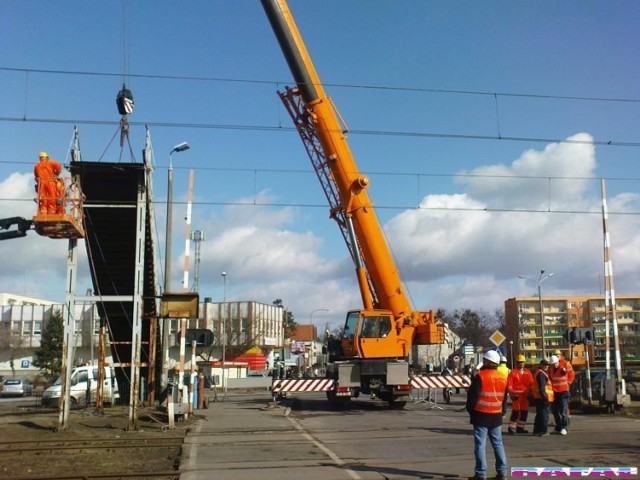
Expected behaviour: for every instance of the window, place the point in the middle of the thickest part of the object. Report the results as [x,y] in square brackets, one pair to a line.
[26,328]
[375,327]
[350,325]
[37,327]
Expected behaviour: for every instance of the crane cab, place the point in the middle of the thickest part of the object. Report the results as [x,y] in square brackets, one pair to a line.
[371,334]
[66,219]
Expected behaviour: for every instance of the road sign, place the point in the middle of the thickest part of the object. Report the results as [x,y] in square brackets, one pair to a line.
[497,338]
[468,349]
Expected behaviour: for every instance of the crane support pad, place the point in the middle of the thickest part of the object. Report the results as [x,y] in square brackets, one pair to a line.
[439,381]
[303,385]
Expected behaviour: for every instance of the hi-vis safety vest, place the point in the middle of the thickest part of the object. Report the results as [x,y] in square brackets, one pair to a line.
[547,386]
[561,377]
[519,381]
[492,391]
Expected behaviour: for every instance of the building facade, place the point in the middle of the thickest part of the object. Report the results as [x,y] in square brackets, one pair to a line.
[21,326]
[536,326]
[434,358]
[22,320]
[236,327]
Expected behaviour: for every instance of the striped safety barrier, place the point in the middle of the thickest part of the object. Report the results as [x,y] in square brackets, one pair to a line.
[439,381]
[302,385]
[326,384]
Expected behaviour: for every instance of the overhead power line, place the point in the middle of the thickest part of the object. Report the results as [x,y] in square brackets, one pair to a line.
[274,128]
[336,85]
[310,171]
[378,207]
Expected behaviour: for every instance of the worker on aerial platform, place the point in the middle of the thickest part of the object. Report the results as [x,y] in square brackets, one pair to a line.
[47,173]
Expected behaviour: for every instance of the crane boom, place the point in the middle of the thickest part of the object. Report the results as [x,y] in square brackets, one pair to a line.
[388,326]
[351,184]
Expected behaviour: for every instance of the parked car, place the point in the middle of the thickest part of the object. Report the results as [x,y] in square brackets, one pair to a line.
[84,387]
[16,387]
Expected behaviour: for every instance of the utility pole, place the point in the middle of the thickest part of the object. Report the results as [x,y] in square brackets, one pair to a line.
[166,324]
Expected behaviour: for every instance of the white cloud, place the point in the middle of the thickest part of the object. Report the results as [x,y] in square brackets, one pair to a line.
[451,239]
[458,250]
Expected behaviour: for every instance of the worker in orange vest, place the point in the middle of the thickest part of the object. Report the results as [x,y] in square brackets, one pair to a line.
[46,172]
[543,395]
[562,375]
[518,383]
[486,403]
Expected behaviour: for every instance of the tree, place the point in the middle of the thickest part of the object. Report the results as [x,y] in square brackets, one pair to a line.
[471,326]
[49,356]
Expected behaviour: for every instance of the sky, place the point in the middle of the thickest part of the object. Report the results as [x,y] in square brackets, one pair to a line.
[485,128]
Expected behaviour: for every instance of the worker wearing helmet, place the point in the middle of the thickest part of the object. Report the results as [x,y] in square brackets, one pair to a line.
[543,396]
[518,383]
[486,403]
[502,368]
[561,375]
[46,172]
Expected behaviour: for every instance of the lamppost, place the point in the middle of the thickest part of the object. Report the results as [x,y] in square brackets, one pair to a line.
[164,378]
[540,280]
[511,346]
[224,331]
[317,310]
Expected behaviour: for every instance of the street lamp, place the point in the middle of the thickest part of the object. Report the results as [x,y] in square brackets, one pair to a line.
[317,310]
[224,331]
[511,346]
[541,279]
[181,147]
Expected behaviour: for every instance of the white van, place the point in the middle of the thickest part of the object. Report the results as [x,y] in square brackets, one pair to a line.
[84,383]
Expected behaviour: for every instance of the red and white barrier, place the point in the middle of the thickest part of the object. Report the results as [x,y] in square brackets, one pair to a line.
[327,384]
[302,385]
[439,381]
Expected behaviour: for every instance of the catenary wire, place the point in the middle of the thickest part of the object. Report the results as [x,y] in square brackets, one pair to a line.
[272,128]
[340,85]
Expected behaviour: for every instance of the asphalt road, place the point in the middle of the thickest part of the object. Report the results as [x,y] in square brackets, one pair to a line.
[247,436]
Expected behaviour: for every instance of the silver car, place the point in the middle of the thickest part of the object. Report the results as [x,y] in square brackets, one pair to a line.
[16,387]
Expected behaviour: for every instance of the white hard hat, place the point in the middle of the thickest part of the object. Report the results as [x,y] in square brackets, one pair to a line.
[503,359]
[554,359]
[492,356]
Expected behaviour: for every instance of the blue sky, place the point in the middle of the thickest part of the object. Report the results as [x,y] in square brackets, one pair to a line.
[426,89]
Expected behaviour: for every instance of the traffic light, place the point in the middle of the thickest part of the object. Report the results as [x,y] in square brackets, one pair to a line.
[584,335]
[570,335]
[588,335]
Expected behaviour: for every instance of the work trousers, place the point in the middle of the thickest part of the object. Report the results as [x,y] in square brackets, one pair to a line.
[541,422]
[560,410]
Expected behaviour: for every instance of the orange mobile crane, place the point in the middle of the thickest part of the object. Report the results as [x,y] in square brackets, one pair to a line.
[372,354]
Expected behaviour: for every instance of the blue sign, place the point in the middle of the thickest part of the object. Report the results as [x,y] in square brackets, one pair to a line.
[25,364]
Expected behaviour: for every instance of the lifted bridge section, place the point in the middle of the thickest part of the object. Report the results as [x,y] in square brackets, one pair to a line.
[113,236]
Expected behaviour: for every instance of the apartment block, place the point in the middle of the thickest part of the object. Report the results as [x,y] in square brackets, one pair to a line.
[536,326]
